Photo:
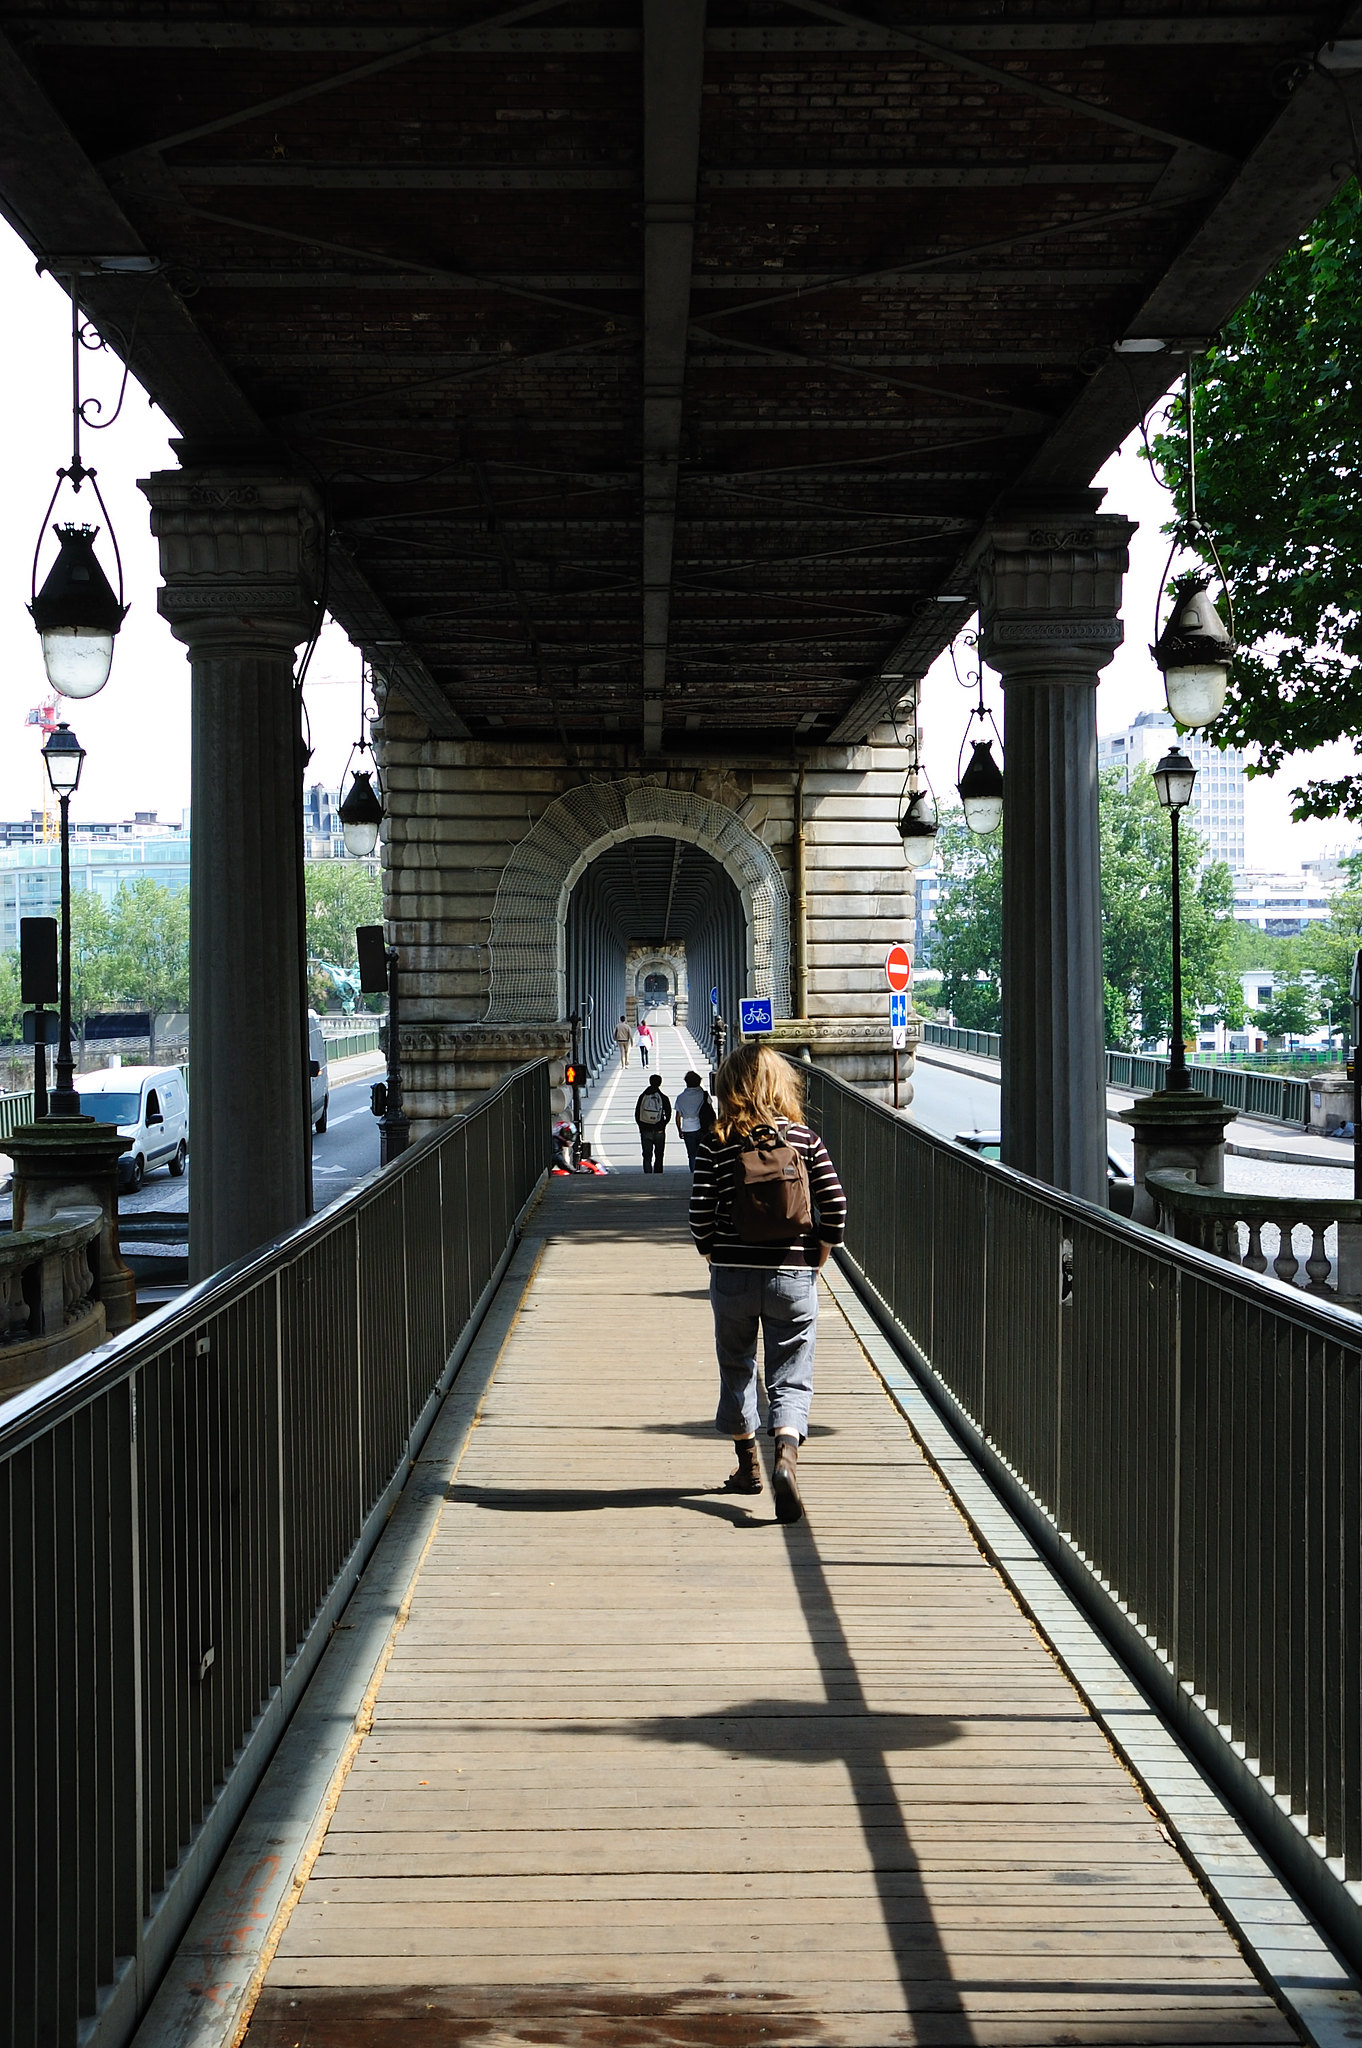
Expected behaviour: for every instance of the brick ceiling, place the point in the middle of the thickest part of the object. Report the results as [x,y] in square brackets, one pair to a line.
[661,363]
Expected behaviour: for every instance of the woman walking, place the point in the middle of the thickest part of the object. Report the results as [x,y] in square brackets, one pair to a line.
[766,1209]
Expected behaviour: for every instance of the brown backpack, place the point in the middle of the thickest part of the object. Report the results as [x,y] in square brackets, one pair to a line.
[770,1202]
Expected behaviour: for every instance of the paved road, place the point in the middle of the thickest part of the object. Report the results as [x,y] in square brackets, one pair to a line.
[947,1102]
[346,1151]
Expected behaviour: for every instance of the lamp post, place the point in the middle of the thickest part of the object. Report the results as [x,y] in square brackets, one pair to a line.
[63,758]
[1174,779]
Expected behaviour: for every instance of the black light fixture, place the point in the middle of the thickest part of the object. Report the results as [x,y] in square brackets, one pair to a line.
[1175,779]
[1194,649]
[918,820]
[77,611]
[77,615]
[361,808]
[980,787]
[63,758]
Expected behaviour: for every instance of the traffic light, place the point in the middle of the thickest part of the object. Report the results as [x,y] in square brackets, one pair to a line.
[572,1074]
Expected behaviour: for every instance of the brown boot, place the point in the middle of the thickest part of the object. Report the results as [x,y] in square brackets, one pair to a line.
[747,1478]
[785,1480]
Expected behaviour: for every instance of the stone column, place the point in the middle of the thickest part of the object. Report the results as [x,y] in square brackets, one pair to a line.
[241,558]
[1050,590]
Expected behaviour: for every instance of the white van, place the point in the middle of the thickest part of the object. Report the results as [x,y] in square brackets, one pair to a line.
[321,1079]
[150,1105]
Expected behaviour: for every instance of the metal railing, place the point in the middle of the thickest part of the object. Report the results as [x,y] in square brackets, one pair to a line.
[1280,1098]
[986,1045]
[349,1043]
[185,1512]
[1182,1438]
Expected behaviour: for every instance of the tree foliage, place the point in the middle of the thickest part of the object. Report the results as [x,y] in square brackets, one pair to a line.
[966,942]
[341,894]
[1278,414]
[967,939]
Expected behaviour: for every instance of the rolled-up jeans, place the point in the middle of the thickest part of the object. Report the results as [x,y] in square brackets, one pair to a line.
[783,1306]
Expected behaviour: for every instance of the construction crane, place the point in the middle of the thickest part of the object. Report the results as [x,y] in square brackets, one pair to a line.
[45,717]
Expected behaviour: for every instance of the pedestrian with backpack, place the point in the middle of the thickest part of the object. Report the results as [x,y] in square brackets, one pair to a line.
[766,1210]
[652,1114]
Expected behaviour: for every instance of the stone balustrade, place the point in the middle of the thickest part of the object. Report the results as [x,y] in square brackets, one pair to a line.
[49,1311]
[1232,1225]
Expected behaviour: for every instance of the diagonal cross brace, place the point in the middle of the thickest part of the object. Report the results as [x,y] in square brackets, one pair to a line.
[673,71]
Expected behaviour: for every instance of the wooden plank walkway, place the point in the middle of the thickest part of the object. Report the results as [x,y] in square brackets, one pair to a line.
[646,1768]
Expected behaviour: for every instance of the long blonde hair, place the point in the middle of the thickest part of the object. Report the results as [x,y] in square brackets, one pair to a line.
[755,1086]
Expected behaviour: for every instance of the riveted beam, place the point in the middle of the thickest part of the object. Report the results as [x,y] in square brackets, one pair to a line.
[673,73]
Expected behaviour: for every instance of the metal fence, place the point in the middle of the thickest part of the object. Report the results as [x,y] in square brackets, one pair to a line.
[184,1513]
[1184,1439]
[1278,1097]
[346,1045]
[988,1045]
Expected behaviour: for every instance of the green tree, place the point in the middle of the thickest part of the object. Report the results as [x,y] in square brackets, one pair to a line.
[1325,951]
[967,939]
[1278,409]
[11,1007]
[148,945]
[340,895]
[966,943]
[1293,1011]
[1136,919]
[92,981]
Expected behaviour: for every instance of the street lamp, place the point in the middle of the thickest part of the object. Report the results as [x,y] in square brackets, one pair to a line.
[918,824]
[981,790]
[361,808]
[1194,651]
[77,611]
[63,758]
[361,814]
[77,615]
[1175,779]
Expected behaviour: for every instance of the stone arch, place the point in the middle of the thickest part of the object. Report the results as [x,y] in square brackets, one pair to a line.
[529,917]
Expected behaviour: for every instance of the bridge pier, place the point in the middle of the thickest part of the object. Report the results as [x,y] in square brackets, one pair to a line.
[487,842]
[240,555]
[1050,592]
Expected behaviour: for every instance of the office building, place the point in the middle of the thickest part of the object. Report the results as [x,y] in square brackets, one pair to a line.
[1216,811]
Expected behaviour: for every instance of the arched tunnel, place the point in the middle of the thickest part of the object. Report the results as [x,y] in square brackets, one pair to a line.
[648,891]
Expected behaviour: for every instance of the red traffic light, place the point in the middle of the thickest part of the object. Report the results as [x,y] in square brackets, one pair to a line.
[571,1075]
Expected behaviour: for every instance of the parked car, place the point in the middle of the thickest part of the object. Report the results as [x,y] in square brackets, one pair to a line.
[150,1105]
[321,1079]
[1120,1185]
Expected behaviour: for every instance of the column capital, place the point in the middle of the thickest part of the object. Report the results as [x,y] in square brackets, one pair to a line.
[241,555]
[1050,591]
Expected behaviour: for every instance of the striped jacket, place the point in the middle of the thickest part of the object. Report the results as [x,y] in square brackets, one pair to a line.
[711,1201]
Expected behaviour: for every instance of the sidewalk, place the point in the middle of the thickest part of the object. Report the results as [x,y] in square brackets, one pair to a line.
[643,1769]
[609,1110]
[1280,1144]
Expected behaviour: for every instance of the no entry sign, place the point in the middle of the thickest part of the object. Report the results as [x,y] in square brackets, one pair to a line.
[898,968]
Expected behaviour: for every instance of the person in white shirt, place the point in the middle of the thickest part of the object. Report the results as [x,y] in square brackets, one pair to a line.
[694,1111]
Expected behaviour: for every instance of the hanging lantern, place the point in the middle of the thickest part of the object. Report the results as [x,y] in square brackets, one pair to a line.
[918,828]
[981,790]
[77,615]
[361,814]
[1194,651]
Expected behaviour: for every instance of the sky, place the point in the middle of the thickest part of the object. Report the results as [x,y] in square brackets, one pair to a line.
[136,731]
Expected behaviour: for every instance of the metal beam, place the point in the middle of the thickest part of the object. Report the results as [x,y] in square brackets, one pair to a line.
[612,177]
[673,75]
[200,32]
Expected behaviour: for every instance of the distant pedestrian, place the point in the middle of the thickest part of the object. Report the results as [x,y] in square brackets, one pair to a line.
[645,1041]
[694,1115]
[766,1209]
[652,1114]
[624,1038]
